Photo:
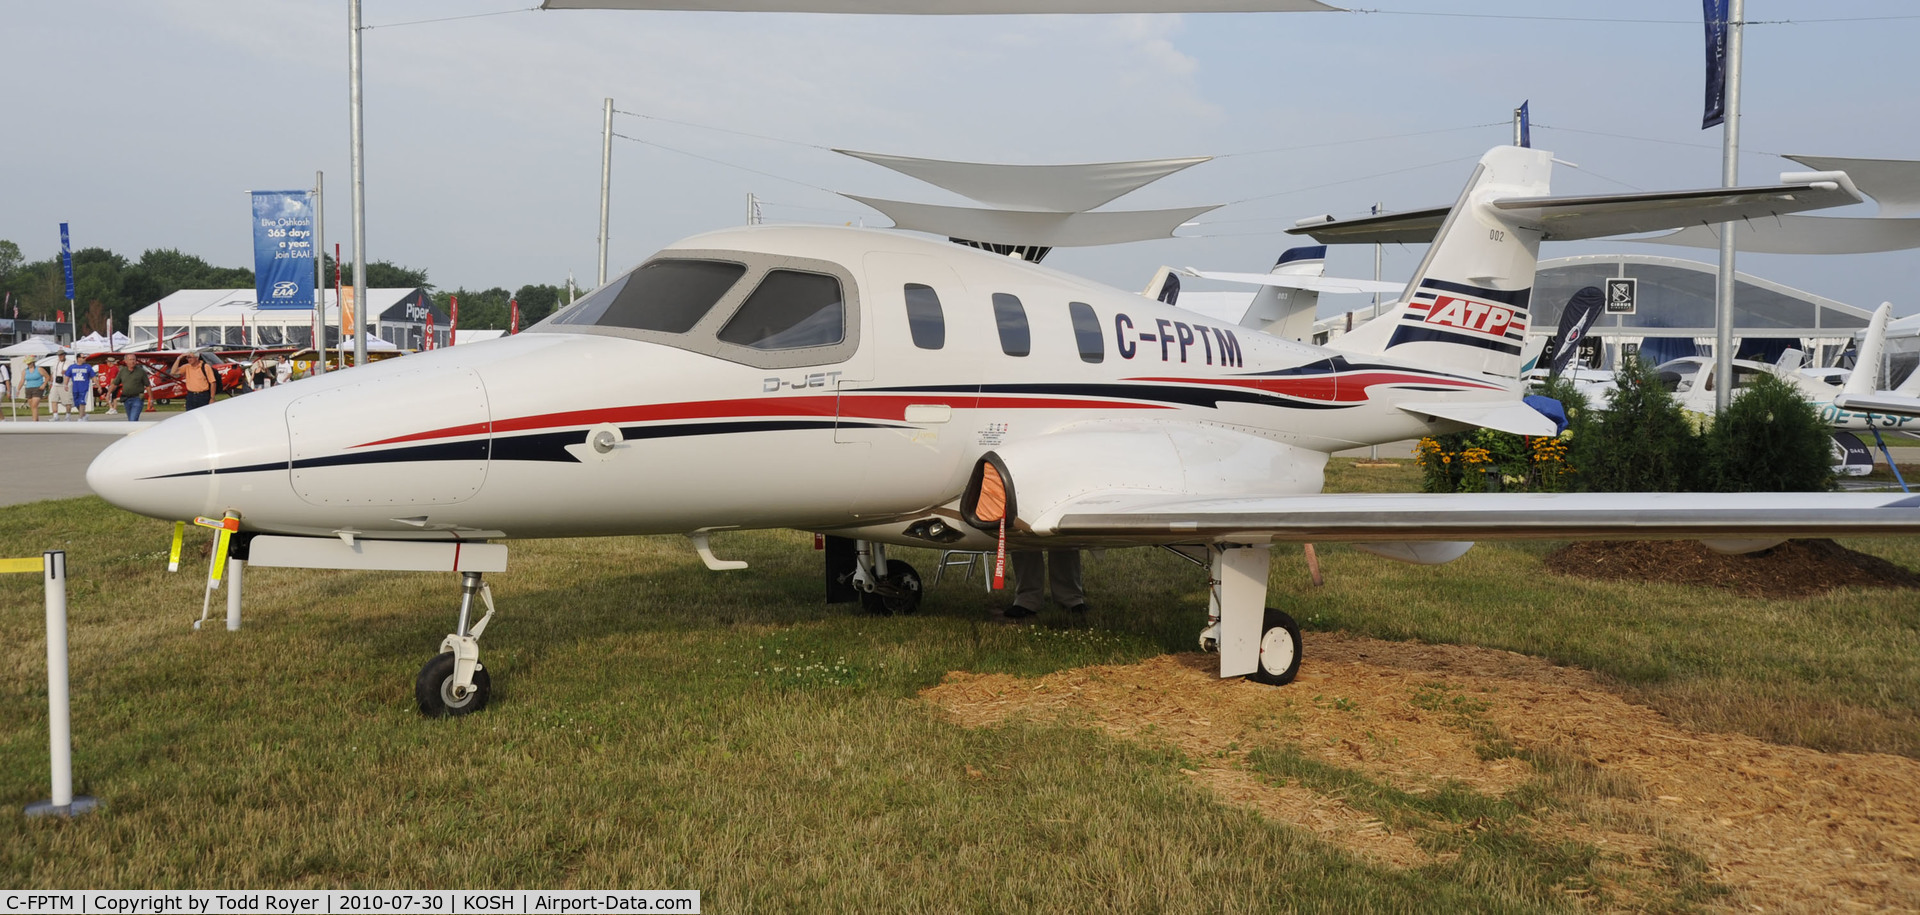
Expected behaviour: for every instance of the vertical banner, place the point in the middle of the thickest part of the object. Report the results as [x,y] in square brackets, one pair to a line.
[453,326]
[428,343]
[66,260]
[513,317]
[283,249]
[1716,107]
[346,314]
[1526,124]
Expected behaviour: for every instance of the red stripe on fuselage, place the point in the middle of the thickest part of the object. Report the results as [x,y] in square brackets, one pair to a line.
[1350,388]
[859,406]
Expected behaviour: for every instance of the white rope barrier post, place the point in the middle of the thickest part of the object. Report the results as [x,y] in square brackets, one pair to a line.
[59,720]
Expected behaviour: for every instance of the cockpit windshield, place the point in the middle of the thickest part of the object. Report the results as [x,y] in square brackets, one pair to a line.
[669,296]
[747,307]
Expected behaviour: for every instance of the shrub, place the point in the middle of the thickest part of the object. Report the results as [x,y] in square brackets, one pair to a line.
[1770,440]
[1642,441]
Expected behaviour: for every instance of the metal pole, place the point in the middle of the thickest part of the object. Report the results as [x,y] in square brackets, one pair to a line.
[59,712]
[319,323]
[359,196]
[606,183]
[1730,177]
[1378,208]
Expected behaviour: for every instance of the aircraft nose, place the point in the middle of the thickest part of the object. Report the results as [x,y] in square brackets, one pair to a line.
[163,472]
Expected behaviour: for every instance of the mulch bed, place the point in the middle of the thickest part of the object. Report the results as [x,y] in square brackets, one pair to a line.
[1797,568]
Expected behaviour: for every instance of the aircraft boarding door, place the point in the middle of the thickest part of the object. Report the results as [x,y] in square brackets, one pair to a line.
[912,409]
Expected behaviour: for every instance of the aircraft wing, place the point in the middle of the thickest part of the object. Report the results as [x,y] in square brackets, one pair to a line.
[1883,403]
[1596,216]
[1322,284]
[1377,517]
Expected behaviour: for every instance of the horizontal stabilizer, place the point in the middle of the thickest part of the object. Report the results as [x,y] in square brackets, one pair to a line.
[1504,416]
[1596,216]
[1333,285]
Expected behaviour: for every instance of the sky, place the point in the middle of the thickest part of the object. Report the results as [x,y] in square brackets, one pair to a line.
[144,125]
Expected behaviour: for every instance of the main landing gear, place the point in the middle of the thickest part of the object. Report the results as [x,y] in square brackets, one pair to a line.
[454,683]
[886,586]
[1262,644]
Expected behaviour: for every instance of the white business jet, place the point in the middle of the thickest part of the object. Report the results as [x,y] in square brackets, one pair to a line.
[899,390]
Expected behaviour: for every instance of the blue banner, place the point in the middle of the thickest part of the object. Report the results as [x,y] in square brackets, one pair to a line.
[1716,110]
[283,249]
[66,259]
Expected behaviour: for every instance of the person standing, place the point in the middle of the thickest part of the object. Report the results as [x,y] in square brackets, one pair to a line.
[132,382]
[198,377]
[1035,571]
[80,384]
[34,382]
[62,393]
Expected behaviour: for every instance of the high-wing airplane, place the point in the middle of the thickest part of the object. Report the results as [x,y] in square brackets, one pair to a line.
[904,391]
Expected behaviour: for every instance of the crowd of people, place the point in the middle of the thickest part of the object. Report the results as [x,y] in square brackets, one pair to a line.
[70,387]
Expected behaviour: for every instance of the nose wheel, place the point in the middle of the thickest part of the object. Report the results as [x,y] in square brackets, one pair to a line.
[440,697]
[454,683]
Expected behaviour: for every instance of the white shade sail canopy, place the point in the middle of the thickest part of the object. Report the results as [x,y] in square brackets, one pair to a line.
[950,7]
[1894,184]
[1033,188]
[1024,227]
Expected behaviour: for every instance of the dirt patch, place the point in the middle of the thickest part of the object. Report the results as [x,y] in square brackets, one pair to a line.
[1797,568]
[1782,827]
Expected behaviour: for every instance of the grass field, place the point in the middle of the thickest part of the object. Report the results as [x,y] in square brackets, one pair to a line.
[656,725]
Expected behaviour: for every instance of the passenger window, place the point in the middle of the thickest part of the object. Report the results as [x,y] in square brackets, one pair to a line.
[1011,317]
[1086,332]
[924,318]
[666,295]
[789,310]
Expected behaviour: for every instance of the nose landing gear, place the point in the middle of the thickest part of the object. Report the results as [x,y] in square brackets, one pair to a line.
[454,683]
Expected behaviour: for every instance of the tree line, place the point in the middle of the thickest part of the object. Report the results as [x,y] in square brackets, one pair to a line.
[109,286]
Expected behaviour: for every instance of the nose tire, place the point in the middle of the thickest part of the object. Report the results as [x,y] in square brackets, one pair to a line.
[433,689]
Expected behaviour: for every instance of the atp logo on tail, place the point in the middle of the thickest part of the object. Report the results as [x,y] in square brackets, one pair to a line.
[1443,312]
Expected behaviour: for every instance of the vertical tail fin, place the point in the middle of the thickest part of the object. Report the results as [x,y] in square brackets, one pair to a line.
[1465,310]
[1283,311]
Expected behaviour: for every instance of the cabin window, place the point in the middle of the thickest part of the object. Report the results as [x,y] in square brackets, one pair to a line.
[1086,332]
[1011,317]
[789,310]
[924,318]
[666,295]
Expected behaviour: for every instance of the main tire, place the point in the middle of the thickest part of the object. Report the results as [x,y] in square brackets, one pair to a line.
[433,689]
[899,591]
[1279,650]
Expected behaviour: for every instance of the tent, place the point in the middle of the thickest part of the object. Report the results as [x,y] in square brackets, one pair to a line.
[95,343]
[34,346]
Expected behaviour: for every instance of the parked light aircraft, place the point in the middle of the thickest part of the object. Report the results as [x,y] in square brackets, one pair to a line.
[1857,405]
[905,391]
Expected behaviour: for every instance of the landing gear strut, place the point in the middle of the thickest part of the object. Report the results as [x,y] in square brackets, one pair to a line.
[454,683]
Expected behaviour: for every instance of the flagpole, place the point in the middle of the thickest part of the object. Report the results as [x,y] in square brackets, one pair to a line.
[1729,177]
[359,200]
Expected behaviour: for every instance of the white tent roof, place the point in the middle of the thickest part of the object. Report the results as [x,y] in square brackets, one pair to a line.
[226,306]
[1019,227]
[33,346]
[948,7]
[1035,188]
[1894,184]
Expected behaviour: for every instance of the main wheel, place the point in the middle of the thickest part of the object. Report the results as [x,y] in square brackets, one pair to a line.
[1279,650]
[433,689]
[899,591]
